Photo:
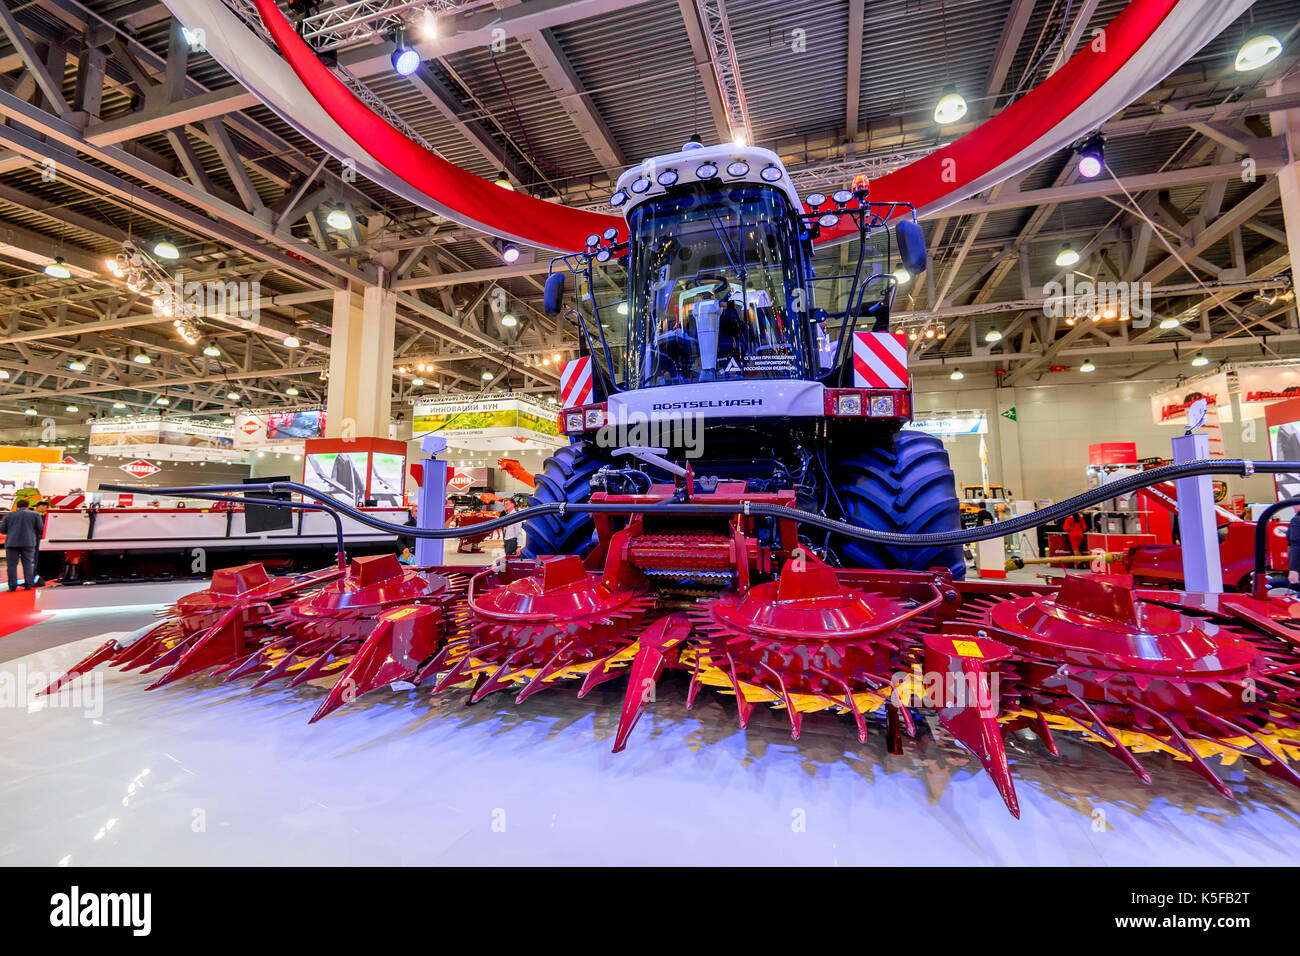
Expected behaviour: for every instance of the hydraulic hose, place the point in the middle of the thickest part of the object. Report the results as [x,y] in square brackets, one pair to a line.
[1115,489]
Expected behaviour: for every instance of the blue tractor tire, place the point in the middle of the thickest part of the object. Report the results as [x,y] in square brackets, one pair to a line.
[565,476]
[905,485]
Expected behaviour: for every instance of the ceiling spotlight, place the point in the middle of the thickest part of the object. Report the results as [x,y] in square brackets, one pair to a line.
[622,308]
[739,140]
[992,335]
[338,218]
[119,404]
[164,400]
[233,396]
[1170,323]
[1087,366]
[902,276]
[140,358]
[956,375]
[503,180]
[29,411]
[1200,360]
[429,24]
[1067,256]
[509,321]
[556,358]
[71,408]
[291,391]
[166,250]
[950,108]
[57,269]
[417,382]
[114,267]
[1092,157]
[510,253]
[405,60]
[211,351]
[77,365]
[1258,51]
[487,376]
[291,342]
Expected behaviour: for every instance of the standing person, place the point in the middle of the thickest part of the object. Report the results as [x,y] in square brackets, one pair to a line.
[984,516]
[1076,526]
[22,530]
[510,535]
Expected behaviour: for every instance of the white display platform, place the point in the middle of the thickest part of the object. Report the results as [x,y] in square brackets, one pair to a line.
[122,594]
[209,773]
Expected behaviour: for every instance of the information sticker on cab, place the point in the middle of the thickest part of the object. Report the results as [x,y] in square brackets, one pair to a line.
[967,649]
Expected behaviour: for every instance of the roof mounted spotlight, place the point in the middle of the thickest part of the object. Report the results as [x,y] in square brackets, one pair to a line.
[640,185]
[814,200]
[611,234]
[1092,156]
[405,60]
[771,173]
[738,168]
[706,171]
[842,198]
[618,199]
[667,178]
[592,241]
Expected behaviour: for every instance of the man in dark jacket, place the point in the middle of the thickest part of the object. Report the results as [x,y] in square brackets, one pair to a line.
[23,530]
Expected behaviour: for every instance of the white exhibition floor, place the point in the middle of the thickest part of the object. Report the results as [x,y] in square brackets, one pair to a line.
[210,773]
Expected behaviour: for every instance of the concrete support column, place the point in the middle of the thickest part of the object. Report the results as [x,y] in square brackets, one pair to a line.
[359,400]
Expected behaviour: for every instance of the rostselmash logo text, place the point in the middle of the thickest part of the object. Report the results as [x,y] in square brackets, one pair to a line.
[712,403]
[77,909]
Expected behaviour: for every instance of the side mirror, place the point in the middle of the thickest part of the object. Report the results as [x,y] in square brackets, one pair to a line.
[553,294]
[911,246]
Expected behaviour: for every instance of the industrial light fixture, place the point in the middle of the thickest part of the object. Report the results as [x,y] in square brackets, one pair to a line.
[77,365]
[1258,51]
[739,139]
[417,382]
[211,351]
[233,396]
[1087,366]
[114,267]
[1092,157]
[4,373]
[57,269]
[140,358]
[29,411]
[291,391]
[71,408]
[291,342]
[509,253]
[901,276]
[956,375]
[503,180]
[119,404]
[1170,323]
[166,250]
[227,421]
[1067,256]
[992,335]
[509,321]
[487,376]
[429,24]
[1199,359]
[164,400]
[405,60]
[950,108]
[338,218]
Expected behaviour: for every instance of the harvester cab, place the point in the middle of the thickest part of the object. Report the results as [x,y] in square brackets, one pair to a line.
[709,318]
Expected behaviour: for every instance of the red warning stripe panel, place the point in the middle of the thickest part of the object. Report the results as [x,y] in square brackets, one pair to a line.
[879,360]
[575,383]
